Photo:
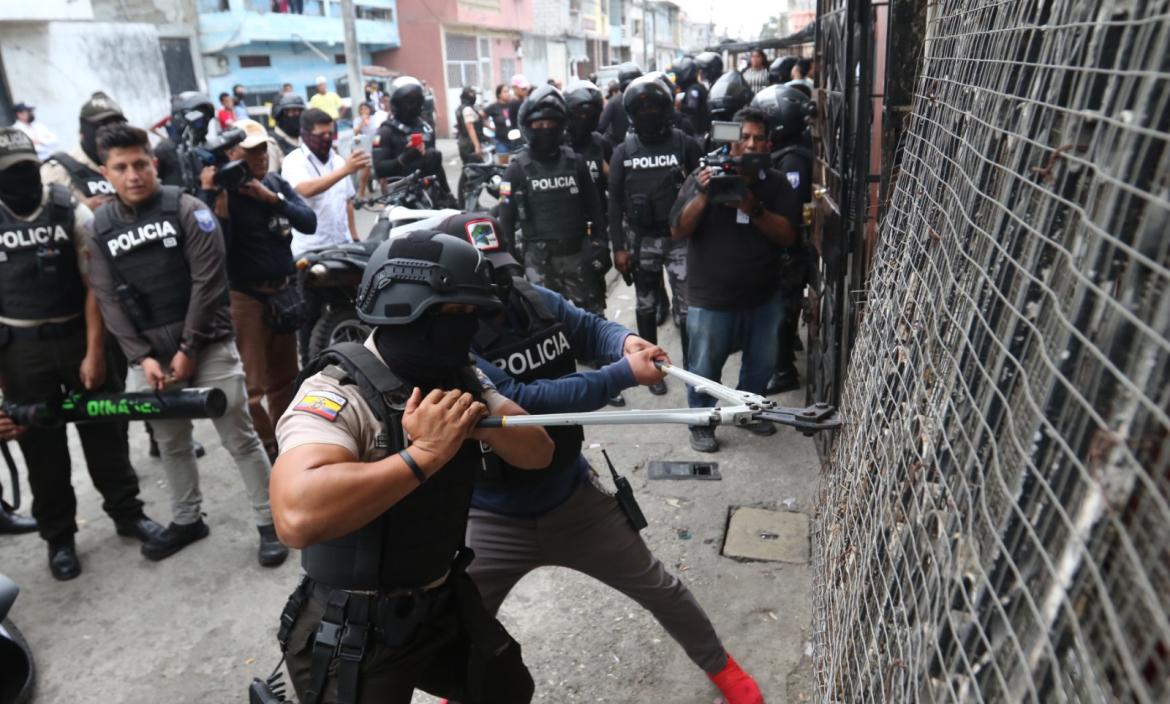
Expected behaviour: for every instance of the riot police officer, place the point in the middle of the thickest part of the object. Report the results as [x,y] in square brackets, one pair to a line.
[79,169]
[379,454]
[584,104]
[549,192]
[51,337]
[645,174]
[788,112]
[286,135]
[780,72]
[614,122]
[405,142]
[694,94]
[710,67]
[727,96]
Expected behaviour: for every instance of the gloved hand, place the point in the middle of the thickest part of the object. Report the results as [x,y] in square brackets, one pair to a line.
[602,262]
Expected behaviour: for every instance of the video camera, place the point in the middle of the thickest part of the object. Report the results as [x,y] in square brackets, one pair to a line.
[726,184]
[114,407]
[195,155]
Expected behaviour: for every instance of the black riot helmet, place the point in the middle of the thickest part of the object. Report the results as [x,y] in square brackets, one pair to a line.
[410,275]
[406,99]
[649,105]
[191,113]
[728,95]
[468,96]
[788,111]
[781,70]
[287,113]
[627,72]
[685,71]
[710,66]
[584,103]
[543,103]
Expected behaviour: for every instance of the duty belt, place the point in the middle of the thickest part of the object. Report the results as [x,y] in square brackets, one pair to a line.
[46,331]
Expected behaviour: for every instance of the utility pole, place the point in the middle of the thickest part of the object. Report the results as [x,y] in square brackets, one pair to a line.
[353,59]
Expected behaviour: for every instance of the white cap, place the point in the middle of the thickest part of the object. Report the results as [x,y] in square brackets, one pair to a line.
[320,79]
[254,131]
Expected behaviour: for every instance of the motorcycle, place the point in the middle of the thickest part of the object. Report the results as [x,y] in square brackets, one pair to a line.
[479,179]
[17,670]
[334,273]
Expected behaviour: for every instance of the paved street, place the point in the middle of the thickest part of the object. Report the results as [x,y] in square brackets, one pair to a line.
[198,626]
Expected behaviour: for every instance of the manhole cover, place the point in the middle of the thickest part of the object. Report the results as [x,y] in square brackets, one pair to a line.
[760,534]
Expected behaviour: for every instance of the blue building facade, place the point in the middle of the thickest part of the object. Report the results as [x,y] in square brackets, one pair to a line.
[263,44]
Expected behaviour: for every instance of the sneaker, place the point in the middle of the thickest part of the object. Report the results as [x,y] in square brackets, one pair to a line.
[174,538]
[703,439]
[617,400]
[763,428]
[737,686]
[658,389]
[272,552]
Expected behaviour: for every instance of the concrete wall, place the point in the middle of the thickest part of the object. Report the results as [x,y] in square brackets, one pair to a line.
[45,10]
[57,65]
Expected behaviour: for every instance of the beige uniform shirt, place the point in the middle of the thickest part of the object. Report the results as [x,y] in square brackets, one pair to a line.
[52,172]
[327,412]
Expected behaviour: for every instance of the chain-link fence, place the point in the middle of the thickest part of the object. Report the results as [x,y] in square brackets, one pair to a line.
[994,523]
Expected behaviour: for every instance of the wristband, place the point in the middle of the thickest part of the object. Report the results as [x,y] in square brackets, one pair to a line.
[418,473]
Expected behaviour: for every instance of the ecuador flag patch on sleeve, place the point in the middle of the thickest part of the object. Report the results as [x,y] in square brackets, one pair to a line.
[324,404]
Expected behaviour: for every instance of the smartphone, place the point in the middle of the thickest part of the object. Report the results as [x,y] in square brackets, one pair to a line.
[416,140]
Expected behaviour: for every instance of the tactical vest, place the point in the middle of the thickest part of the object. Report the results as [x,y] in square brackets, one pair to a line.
[594,155]
[414,541]
[805,154]
[461,127]
[554,209]
[541,351]
[39,276]
[152,278]
[88,182]
[282,141]
[425,129]
[654,175]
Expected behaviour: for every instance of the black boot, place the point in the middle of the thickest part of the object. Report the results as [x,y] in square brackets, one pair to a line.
[272,552]
[174,538]
[648,331]
[663,308]
[12,523]
[63,562]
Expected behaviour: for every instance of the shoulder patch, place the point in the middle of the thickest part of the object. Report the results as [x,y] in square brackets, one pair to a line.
[324,404]
[793,178]
[505,189]
[205,219]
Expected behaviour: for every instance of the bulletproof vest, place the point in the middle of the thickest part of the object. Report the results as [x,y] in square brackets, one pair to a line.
[540,351]
[801,178]
[553,210]
[153,281]
[654,175]
[422,127]
[414,541]
[594,155]
[286,147]
[462,127]
[694,105]
[39,276]
[88,182]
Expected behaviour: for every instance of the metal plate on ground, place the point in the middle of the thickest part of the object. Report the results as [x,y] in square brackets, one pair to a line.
[665,469]
[760,534]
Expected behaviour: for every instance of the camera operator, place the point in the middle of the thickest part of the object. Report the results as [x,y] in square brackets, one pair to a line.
[734,250]
[191,116]
[257,217]
[405,142]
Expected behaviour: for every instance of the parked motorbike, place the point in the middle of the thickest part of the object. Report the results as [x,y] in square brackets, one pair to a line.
[17,670]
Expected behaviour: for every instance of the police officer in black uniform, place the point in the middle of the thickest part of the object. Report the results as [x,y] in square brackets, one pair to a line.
[379,455]
[710,67]
[729,94]
[394,154]
[548,191]
[788,112]
[286,135]
[645,174]
[614,122]
[51,338]
[694,99]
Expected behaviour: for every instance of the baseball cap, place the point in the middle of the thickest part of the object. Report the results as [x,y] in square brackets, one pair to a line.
[16,147]
[519,81]
[483,232]
[320,79]
[100,107]
[254,133]
[23,107]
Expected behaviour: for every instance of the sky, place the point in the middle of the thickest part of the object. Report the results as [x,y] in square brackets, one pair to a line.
[742,23]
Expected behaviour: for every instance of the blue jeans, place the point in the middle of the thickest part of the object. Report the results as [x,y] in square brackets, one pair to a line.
[714,334]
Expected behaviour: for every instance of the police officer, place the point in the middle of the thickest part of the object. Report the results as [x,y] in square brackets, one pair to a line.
[157,268]
[694,94]
[378,458]
[468,133]
[614,122]
[729,94]
[397,151]
[549,192]
[780,72]
[522,520]
[710,67]
[788,112]
[286,135]
[51,337]
[79,169]
[645,174]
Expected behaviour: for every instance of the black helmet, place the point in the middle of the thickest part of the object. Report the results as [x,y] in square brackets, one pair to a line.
[543,103]
[710,65]
[407,98]
[408,276]
[781,70]
[685,72]
[287,101]
[649,105]
[584,103]
[728,95]
[787,109]
[468,95]
[800,86]
[627,72]
[191,110]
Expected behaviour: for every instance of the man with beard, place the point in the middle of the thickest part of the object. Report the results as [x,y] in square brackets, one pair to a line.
[286,136]
[405,142]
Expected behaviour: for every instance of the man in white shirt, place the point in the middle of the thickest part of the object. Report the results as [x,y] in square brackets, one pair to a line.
[321,176]
[44,140]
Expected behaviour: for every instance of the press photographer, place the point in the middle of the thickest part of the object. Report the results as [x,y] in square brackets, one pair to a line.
[191,117]
[257,217]
[737,214]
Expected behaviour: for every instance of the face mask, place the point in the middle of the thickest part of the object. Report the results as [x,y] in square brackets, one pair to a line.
[319,144]
[21,189]
[428,351]
[89,141]
[650,127]
[545,141]
[290,124]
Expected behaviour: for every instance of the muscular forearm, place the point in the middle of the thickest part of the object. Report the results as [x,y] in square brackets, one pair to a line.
[689,219]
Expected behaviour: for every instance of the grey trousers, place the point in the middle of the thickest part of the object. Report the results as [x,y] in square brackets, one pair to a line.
[218,365]
[590,534]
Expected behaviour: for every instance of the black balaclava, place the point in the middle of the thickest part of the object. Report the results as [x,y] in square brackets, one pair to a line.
[651,126]
[429,351]
[89,140]
[290,124]
[545,142]
[21,189]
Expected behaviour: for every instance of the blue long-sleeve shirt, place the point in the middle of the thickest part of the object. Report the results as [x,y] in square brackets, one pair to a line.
[591,337]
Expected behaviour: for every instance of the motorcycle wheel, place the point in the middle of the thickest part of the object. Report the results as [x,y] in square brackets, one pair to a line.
[18,673]
[337,325]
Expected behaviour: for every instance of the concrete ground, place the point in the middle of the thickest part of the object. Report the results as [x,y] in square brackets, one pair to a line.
[199,626]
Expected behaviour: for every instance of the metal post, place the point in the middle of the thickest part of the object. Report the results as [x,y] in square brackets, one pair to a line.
[353,59]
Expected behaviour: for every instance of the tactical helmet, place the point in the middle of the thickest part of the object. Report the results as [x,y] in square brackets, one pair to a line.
[800,86]
[710,65]
[191,110]
[787,109]
[627,72]
[585,104]
[649,105]
[406,98]
[410,275]
[542,103]
[781,70]
[728,95]
[468,95]
[685,72]
[287,101]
